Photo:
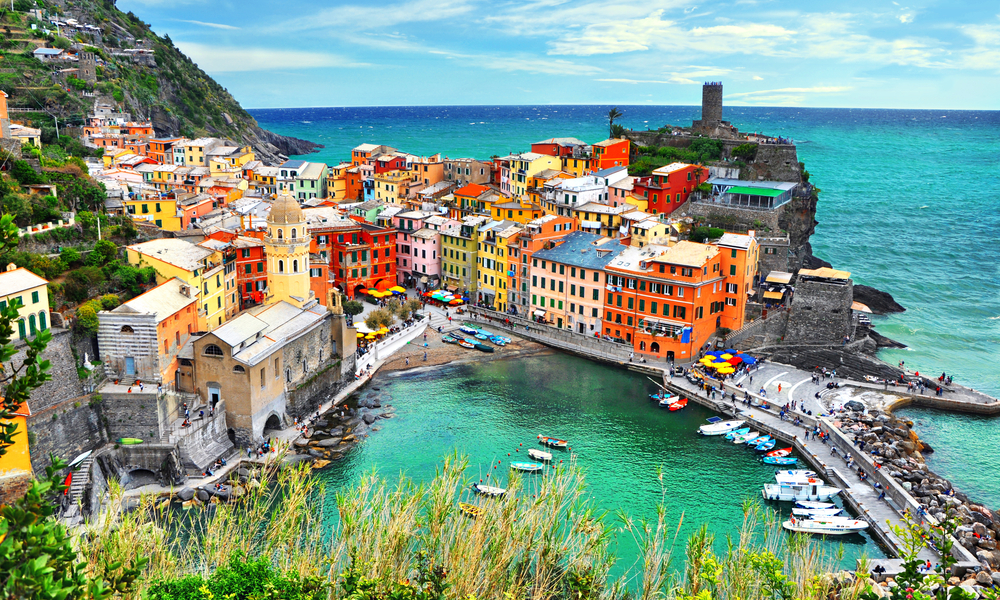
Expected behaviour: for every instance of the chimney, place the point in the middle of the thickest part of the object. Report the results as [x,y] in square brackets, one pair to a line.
[11,267]
[186,290]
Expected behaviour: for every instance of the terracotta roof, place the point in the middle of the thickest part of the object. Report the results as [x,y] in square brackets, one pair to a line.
[472,189]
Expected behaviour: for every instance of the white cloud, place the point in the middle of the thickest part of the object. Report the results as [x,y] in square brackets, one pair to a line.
[358,17]
[789,96]
[206,24]
[906,18]
[231,59]
[758,78]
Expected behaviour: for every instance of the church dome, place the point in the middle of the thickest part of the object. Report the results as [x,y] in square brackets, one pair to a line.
[286,209]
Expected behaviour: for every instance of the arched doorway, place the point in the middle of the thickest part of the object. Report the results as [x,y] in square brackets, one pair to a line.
[654,347]
[273,423]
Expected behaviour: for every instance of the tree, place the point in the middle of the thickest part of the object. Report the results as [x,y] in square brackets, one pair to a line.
[70,256]
[745,152]
[104,252]
[37,555]
[378,318]
[61,43]
[353,308]
[25,174]
[613,115]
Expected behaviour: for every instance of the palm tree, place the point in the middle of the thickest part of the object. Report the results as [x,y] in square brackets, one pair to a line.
[613,114]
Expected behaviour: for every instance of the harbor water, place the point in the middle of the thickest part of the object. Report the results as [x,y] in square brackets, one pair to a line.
[620,438]
[908,205]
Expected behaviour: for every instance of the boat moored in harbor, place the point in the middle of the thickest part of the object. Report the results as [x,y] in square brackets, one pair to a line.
[826,526]
[539,454]
[720,427]
[553,442]
[795,492]
[526,466]
[488,490]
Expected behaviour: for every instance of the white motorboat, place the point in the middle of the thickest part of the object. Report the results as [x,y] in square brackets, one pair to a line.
[791,492]
[816,513]
[800,477]
[826,526]
[743,437]
[539,454]
[668,399]
[488,490]
[720,428]
[808,504]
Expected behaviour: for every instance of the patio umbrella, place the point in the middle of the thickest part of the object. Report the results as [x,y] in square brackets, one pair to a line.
[731,351]
[735,360]
[370,336]
[361,335]
[455,301]
[397,289]
[726,356]
[749,360]
[726,370]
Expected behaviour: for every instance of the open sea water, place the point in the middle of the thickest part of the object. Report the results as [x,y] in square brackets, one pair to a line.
[910,204]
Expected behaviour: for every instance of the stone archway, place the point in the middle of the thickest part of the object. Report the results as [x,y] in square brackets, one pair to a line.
[273,423]
[655,348]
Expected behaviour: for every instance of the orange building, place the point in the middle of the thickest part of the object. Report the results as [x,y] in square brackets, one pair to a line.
[610,153]
[668,301]
[162,150]
[541,233]
[669,186]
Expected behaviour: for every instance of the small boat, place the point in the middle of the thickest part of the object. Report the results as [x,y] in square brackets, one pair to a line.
[470,510]
[668,400]
[660,395]
[719,428]
[466,344]
[679,404]
[737,432]
[467,329]
[816,512]
[499,341]
[488,490]
[815,505]
[764,447]
[554,442]
[483,347]
[835,526]
[780,452]
[758,440]
[526,466]
[502,338]
[795,473]
[743,437]
[540,454]
[797,479]
[129,441]
[780,460]
[796,492]
[449,340]
[482,336]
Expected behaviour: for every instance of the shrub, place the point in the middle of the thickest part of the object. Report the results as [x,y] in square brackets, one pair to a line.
[700,234]
[86,320]
[353,307]
[24,174]
[745,152]
[70,256]
[110,301]
[242,578]
[61,43]
[104,252]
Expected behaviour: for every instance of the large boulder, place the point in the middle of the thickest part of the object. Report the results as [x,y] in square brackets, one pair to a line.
[328,443]
[879,302]
[368,418]
[854,405]
[984,578]
[185,494]
[204,496]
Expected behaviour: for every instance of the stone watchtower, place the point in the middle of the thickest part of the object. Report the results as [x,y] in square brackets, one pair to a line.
[287,249]
[88,67]
[711,104]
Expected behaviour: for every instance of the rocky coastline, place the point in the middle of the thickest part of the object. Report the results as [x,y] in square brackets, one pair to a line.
[902,451]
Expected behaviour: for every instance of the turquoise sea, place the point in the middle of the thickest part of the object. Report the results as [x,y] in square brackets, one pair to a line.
[488,410]
[909,205]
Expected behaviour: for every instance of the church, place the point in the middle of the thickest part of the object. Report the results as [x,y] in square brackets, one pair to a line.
[274,361]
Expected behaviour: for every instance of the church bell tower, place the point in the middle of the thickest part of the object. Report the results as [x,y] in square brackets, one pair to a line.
[287,248]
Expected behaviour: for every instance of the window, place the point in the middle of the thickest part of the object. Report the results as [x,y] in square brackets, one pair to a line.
[730,301]
[680,312]
[732,269]
[733,253]
[246,269]
[213,350]
[593,313]
[238,370]
[731,288]
[294,233]
[596,292]
[699,312]
[262,376]
[281,266]
[295,266]
[277,367]
[630,301]
[619,301]
[642,305]
[34,297]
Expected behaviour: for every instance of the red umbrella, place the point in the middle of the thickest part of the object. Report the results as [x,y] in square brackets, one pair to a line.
[735,360]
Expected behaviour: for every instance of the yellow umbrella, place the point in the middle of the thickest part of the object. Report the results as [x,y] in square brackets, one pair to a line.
[726,370]
[361,335]
[372,292]
[370,336]
[726,356]
[397,288]
[707,360]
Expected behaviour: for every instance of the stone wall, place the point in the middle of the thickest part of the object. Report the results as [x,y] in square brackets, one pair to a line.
[138,340]
[820,313]
[133,415]
[65,430]
[748,217]
[65,382]
[773,162]
[324,384]
[774,255]
[761,330]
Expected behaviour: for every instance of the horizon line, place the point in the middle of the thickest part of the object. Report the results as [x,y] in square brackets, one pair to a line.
[617,105]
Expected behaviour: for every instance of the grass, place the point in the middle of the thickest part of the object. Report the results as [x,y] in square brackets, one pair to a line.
[543,540]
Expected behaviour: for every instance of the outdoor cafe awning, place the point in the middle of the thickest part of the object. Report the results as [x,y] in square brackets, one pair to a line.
[539,313]
[778,277]
[773,295]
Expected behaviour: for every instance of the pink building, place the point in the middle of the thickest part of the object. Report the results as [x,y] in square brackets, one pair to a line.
[418,247]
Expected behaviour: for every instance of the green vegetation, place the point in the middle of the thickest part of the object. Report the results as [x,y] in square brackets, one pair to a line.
[701,151]
[38,558]
[353,307]
[613,115]
[381,317]
[745,152]
[700,234]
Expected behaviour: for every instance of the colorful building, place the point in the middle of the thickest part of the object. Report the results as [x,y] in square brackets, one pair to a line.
[362,255]
[517,168]
[541,233]
[611,153]
[496,240]
[459,253]
[518,211]
[406,224]
[567,281]
[33,292]
[668,187]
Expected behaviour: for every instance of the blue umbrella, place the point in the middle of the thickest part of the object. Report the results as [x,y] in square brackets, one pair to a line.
[750,360]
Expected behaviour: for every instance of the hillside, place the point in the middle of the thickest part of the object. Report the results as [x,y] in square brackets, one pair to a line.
[141,72]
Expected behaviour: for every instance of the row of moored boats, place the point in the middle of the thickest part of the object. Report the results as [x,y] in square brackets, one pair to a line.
[812,512]
[475,339]
[540,458]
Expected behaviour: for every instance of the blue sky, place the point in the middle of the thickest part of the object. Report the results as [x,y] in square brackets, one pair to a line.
[872,53]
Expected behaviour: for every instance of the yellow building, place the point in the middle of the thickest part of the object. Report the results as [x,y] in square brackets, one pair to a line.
[161,211]
[15,464]
[392,186]
[112,158]
[521,212]
[644,232]
[516,169]
[577,166]
[229,162]
[601,219]
[536,183]
[494,262]
[336,182]
[286,247]
[201,268]
[33,292]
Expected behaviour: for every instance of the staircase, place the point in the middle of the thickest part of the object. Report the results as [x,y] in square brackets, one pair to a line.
[81,478]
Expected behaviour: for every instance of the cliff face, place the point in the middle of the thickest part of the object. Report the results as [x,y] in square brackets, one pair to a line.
[155,80]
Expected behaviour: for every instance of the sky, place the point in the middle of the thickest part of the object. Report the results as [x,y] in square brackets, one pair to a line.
[851,53]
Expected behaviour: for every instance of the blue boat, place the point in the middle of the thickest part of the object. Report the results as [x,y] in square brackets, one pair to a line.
[467,329]
[482,336]
[768,445]
[498,341]
[780,460]
[758,440]
[740,431]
